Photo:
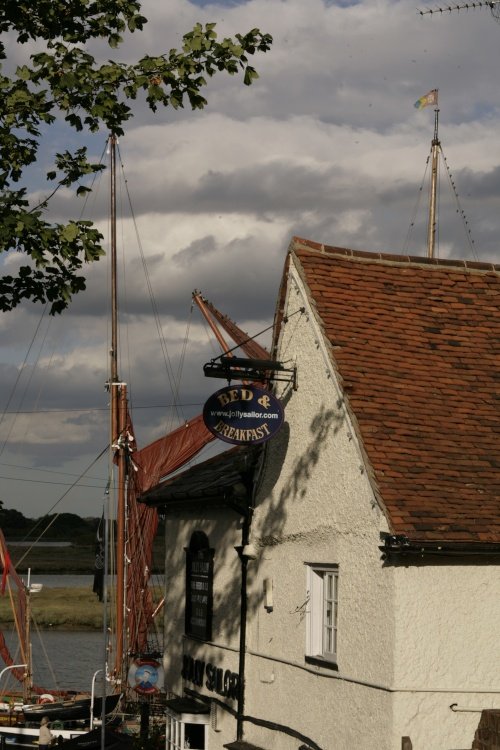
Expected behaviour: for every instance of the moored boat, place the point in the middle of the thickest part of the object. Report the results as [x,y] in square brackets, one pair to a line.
[67,710]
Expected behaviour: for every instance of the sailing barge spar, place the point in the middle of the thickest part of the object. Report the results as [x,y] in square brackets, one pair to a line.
[135,472]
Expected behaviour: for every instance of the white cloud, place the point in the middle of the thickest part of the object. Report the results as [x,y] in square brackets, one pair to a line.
[326,145]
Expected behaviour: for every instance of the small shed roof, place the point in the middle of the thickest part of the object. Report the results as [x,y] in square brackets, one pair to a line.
[224,480]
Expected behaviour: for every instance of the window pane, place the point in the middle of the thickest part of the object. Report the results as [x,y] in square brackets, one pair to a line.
[329,586]
[329,613]
[322,611]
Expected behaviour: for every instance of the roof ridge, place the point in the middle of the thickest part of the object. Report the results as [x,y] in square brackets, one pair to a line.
[300,243]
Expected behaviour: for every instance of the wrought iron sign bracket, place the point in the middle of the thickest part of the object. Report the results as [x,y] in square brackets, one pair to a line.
[255,370]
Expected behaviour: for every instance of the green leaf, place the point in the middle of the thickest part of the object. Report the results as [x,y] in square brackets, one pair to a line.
[66,80]
[69,232]
[24,73]
[250,76]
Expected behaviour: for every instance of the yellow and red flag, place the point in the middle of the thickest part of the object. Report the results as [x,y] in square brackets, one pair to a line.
[427,100]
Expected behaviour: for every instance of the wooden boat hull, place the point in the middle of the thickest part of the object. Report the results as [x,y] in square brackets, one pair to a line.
[77,709]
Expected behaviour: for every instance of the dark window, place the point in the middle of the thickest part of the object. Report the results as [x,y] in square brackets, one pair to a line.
[199,587]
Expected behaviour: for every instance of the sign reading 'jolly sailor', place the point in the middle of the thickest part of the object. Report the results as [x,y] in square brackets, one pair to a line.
[243,415]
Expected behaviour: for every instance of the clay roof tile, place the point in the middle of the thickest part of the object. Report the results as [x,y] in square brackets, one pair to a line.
[416,342]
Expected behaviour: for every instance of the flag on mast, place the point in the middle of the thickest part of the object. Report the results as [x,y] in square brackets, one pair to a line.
[427,100]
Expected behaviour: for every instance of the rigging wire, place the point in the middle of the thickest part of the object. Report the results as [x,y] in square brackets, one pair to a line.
[461,212]
[42,481]
[174,383]
[411,226]
[18,378]
[15,387]
[184,349]
[124,294]
[459,209]
[45,471]
[251,338]
[39,522]
[210,338]
[83,409]
[41,643]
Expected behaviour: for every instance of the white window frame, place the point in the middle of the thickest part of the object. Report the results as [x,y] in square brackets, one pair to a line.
[176,730]
[322,611]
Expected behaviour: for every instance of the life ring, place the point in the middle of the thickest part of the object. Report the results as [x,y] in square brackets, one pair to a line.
[46,698]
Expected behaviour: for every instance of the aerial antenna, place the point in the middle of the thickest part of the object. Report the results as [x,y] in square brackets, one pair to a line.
[493,5]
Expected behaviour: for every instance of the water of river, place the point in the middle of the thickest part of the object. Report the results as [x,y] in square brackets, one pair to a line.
[66,660]
[75,581]
[61,581]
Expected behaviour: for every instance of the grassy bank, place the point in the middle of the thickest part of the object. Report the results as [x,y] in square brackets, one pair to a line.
[61,609]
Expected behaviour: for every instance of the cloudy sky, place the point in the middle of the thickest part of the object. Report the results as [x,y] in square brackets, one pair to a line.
[326,145]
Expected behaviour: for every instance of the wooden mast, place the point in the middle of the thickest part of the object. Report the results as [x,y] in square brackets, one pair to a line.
[118,392]
[28,676]
[436,145]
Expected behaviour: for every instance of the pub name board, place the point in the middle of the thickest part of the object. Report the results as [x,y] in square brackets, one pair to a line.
[213,678]
[243,415]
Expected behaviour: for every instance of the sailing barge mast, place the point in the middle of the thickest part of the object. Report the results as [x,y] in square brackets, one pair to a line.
[118,421]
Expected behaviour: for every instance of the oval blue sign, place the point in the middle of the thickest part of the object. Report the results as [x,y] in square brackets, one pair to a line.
[243,414]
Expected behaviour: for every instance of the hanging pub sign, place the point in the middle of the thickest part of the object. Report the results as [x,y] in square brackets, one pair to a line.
[243,414]
[145,676]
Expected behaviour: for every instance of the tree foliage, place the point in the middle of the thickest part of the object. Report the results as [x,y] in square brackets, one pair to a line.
[63,80]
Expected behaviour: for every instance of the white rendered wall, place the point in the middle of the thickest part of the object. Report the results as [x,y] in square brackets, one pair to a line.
[448,652]
[223,530]
[429,634]
[316,505]
[412,640]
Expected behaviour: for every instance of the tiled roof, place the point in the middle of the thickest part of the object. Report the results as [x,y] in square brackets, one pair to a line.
[416,343]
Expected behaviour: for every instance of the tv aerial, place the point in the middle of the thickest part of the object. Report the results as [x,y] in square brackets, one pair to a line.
[493,5]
